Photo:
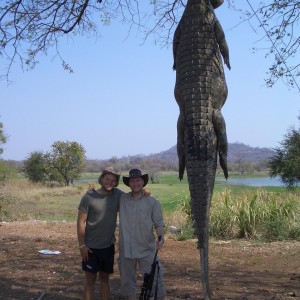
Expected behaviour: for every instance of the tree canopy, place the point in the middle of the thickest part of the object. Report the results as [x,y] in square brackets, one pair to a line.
[35,167]
[286,160]
[67,160]
[63,164]
[30,28]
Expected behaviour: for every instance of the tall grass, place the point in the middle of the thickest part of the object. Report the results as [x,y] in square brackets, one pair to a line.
[23,200]
[252,214]
[236,211]
[259,214]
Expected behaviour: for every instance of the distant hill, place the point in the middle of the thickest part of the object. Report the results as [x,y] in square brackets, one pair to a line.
[240,157]
[236,152]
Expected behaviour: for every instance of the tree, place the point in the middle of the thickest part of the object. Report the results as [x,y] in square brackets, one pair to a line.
[35,167]
[279,21]
[30,28]
[3,138]
[286,160]
[67,160]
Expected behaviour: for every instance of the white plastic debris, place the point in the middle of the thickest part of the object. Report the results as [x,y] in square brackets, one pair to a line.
[174,229]
[49,252]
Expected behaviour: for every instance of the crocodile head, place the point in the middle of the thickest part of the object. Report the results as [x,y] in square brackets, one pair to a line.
[216,3]
[202,5]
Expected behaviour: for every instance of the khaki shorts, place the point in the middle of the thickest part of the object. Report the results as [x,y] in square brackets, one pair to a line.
[128,268]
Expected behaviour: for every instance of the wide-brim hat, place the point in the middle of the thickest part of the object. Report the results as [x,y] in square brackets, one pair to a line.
[135,173]
[109,170]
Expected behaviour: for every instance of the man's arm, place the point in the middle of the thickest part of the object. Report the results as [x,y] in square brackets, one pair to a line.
[81,223]
[81,220]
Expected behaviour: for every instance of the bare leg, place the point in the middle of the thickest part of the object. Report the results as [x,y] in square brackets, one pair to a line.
[104,286]
[89,284]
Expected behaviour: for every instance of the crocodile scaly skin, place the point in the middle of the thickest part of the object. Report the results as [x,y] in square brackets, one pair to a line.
[201,91]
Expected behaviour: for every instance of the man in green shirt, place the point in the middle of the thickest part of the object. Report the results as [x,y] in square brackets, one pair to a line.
[96,224]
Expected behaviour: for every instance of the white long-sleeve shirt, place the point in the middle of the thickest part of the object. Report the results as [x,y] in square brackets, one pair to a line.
[138,218]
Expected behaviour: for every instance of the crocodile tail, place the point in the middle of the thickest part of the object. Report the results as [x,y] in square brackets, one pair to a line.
[201,163]
[201,182]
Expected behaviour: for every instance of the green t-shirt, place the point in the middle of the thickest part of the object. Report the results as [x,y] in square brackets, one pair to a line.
[101,213]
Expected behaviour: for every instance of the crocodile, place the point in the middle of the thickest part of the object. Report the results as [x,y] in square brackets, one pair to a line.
[199,45]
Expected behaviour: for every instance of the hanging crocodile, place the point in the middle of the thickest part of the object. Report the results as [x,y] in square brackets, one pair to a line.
[201,91]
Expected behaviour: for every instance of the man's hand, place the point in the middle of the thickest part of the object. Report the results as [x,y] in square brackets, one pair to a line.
[146,192]
[84,251]
[159,243]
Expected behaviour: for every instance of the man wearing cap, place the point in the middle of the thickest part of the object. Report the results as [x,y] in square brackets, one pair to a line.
[138,214]
[96,224]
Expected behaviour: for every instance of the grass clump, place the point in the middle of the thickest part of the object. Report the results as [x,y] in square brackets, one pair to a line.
[251,214]
[255,215]
[182,217]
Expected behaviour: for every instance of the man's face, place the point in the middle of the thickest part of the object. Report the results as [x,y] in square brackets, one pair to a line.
[136,184]
[108,182]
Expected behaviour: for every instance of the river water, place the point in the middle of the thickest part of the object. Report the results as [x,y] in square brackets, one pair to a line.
[257,182]
[254,182]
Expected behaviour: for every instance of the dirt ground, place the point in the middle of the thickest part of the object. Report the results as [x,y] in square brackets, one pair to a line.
[238,269]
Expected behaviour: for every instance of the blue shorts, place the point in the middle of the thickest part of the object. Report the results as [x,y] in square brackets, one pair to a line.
[100,260]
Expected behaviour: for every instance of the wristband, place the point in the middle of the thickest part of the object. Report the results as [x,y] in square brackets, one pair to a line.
[82,246]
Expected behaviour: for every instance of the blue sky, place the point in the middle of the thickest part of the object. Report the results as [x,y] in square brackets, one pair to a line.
[120,99]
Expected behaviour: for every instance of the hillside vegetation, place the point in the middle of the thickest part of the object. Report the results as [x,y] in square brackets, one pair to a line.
[241,158]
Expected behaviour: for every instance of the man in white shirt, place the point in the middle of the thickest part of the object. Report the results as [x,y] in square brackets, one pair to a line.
[139,214]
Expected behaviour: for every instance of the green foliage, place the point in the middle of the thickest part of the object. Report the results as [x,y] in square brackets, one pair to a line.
[223,219]
[35,167]
[186,232]
[62,165]
[286,160]
[282,218]
[66,160]
[2,137]
[182,203]
[246,217]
